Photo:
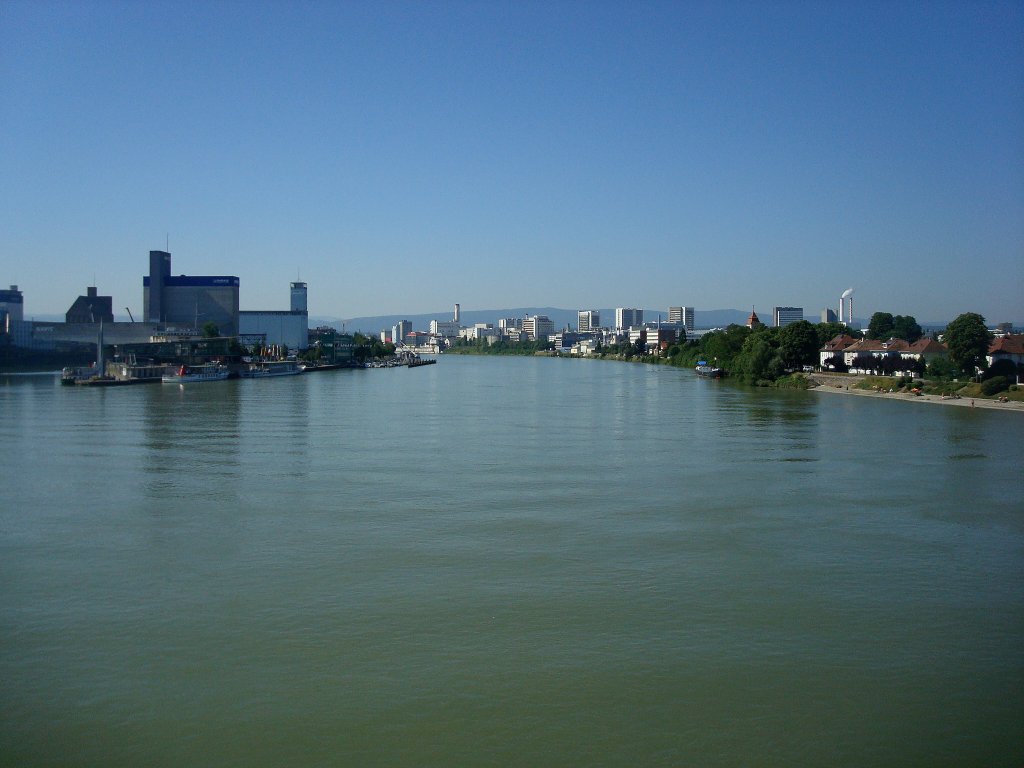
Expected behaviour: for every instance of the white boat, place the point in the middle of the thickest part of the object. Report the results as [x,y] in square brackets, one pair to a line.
[195,374]
[272,368]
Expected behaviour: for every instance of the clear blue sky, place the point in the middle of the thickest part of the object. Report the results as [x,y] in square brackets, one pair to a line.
[405,156]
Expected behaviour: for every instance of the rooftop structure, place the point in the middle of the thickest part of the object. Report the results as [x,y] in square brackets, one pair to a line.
[91,308]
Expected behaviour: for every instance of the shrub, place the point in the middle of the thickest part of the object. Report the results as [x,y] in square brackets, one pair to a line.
[995,384]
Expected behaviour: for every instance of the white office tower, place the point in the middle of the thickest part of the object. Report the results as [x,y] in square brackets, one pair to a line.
[458,315]
[400,330]
[681,316]
[299,297]
[588,320]
[627,317]
[538,327]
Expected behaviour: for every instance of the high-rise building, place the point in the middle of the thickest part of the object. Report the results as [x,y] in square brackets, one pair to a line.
[400,330]
[538,327]
[627,317]
[681,316]
[783,316]
[588,320]
[828,315]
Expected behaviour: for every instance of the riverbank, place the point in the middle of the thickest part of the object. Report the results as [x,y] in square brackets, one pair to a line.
[846,385]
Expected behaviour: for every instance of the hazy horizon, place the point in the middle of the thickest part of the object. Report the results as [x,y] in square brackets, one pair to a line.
[401,157]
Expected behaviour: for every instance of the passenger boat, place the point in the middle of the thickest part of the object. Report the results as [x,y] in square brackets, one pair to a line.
[271,368]
[196,374]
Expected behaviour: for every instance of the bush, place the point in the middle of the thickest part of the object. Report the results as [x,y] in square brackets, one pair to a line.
[994,385]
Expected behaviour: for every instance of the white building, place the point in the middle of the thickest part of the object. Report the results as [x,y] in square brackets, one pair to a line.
[289,328]
[399,331]
[681,316]
[627,317]
[538,327]
[588,320]
[448,329]
[479,331]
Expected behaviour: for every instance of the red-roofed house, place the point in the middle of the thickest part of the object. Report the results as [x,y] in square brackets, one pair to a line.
[834,347]
[1007,348]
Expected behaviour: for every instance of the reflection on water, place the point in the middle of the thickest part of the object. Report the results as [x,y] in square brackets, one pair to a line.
[532,561]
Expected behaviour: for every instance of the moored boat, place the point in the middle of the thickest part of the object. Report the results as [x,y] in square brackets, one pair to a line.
[271,368]
[707,371]
[194,374]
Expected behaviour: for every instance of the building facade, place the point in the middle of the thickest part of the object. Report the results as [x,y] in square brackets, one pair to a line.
[538,327]
[681,316]
[189,301]
[628,317]
[400,330]
[783,316]
[12,309]
[588,320]
[91,308]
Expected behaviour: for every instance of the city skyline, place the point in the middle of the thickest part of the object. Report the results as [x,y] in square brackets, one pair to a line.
[398,157]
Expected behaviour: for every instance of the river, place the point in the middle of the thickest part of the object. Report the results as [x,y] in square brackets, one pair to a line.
[506,561]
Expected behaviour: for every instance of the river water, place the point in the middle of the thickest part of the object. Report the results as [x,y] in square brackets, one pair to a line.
[506,561]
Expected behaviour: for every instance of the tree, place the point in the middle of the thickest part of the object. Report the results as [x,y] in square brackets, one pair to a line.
[210,330]
[1002,367]
[967,340]
[759,359]
[798,344]
[940,368]
[880,326]
[836,363]
[905,327]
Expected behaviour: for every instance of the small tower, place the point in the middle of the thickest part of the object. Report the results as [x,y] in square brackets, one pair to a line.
[753,321]
[458,314]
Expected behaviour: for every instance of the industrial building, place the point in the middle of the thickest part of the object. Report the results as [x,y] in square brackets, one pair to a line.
[278,328]
[189,301]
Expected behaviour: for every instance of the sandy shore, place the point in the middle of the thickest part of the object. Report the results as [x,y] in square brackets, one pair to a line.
[963,402]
